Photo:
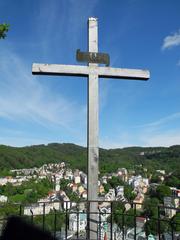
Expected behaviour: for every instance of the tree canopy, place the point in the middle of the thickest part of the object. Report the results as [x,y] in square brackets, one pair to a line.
[75,156]
[4,28]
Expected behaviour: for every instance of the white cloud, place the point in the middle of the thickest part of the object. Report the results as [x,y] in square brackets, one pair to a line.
[153,134]
[142,138]
[65,21]
[178,63]
[161,121]
[125,139]
[171,41]
[22,141]
[165,139]
[26,100]
[111,144]
[104,88]
[23,97]
[160,132]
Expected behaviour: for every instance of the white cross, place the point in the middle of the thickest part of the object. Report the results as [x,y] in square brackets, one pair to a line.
[93,72]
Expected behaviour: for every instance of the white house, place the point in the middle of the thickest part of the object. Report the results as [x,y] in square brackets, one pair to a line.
[120,191]
[3,198]
[84,194]
[77,222]
[104,179]
[146,181]
[105,213]
[57,187]
[83,178]
[77,179]
[3,181]
[65,200]
[62,165]
[110,196]
[163,172]
[68,174]
[41,208]
[170,202]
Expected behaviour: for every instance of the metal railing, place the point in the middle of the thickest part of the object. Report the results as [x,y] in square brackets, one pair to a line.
[115,220]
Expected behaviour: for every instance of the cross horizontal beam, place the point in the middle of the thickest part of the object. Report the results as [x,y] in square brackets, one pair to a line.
[78,70]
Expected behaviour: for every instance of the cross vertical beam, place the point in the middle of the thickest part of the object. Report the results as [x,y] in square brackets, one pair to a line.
[92,131]
[93,72]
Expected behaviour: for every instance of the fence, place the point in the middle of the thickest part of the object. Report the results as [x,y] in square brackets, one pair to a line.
[115,220]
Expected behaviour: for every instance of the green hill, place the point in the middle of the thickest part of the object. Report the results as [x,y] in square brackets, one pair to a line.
[76,157]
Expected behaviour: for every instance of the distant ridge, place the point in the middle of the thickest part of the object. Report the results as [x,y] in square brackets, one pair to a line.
[167,158]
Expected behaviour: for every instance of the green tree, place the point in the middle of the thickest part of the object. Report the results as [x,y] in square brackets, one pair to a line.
[64,183]
[163,191]
[4,28]
[118,211]
[173,181]
[129,218]
[28,192]
[155,178]
[107,187]
[53,221]
[151,213]
[9,209]
[128,193]
[151,207]
[151,226]
[50,220]
[115,181]
[176,222]
[9,190]
[31,197]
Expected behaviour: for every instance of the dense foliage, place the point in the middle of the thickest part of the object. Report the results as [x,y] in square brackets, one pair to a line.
[28,192]
[143,161]
[4,27]
[116,181]
[76,157]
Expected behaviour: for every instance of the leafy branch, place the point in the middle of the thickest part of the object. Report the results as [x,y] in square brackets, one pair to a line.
[4,27]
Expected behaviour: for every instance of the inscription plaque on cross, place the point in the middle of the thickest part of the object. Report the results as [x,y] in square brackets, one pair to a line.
[93,72]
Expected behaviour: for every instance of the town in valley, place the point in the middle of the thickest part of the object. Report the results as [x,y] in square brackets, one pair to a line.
[56,187]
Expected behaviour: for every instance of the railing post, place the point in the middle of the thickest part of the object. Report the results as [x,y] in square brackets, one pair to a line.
[31,216]
[99,228]
[78,222]
[55,223]
[123,224]
[66,229]
[135,221]
[44,216]
[20,210]
[111,220]
[172,228]
[159,224]
[88,219]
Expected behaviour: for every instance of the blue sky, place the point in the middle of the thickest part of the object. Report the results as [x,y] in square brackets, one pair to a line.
[136,34]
